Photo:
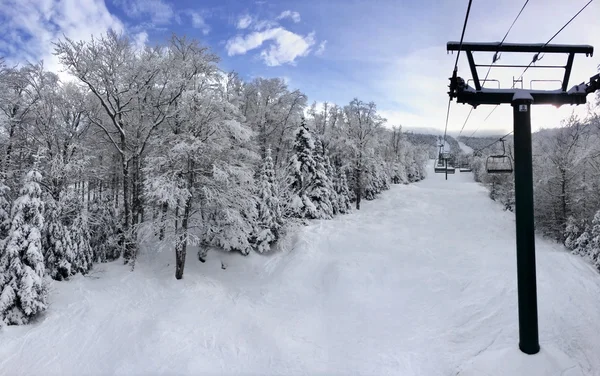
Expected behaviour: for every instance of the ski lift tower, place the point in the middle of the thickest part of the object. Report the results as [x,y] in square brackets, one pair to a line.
[521,101]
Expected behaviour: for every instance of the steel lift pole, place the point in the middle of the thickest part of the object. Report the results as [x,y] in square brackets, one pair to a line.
[521,101]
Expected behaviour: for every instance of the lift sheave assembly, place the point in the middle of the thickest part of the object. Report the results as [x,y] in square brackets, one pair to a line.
[521,101]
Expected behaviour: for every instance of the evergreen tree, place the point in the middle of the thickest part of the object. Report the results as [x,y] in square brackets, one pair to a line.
[23,291]
[66,237]
[80,240]
[104,229]
[582,243]
[572,233]
[4,213]
[269,210]
[343,193]
[301,171]
[58,249]
[321,190]
[594,246]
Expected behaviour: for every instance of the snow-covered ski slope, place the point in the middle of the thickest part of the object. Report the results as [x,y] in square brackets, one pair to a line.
[417,283]
[465,148]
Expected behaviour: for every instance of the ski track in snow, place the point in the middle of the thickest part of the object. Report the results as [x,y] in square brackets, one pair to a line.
[416,283]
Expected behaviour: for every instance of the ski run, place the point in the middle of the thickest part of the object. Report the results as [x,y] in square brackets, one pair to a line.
[419,282]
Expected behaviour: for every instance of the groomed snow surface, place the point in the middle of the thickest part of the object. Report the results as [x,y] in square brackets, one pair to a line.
[421,281]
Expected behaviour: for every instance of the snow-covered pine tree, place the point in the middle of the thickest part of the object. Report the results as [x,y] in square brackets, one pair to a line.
[320,189]
[56,242]
[594,246]
[572,233]
[335,184]
[80,241]
[104,226]
[301,171]
[343,192]
[582,243]
[269,218]
[66,238]
[23,291]
[4,212]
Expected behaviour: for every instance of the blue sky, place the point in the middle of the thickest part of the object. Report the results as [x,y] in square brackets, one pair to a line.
[389,51]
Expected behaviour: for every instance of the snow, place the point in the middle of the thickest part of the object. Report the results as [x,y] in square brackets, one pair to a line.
[465,148]
[421,281]
[549,361]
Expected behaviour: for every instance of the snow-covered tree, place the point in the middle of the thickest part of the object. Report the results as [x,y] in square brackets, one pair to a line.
[4,213]
[135,92]
[594,245]
[582,244]
[229,210]
[343,203]
[56,241]
[272,111]
[301,171]
[23,292]
[79,233]
[66,238]
[320,191]
[572,233]
[269,216]
[104,229]
[361,124]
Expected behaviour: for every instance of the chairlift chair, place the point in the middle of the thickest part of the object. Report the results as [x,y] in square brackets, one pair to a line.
[439,167]
[499,164]
[465,167]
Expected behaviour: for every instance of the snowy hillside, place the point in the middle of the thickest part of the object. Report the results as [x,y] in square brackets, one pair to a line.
[418,282]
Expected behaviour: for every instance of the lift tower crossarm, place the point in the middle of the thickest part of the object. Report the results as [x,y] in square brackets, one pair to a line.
[521,47]
[478,95]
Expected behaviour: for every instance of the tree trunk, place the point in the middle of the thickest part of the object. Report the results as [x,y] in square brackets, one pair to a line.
[128,252]
[563,191]
[165,208]
[181,246]
[89,193]
[135,191]
[9,147]
[358,181]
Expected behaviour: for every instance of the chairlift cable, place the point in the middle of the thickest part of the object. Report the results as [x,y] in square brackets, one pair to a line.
[490,67]
[503,39]
[536,56]
[462,36]
[485,147]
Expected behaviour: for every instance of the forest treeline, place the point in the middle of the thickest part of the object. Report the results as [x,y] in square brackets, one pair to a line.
[160,143]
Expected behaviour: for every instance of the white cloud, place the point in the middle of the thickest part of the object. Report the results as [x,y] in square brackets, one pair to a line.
[199,23]
[244,21]
[139,40]
[30,27]
[159,11]
[264,24]
[295,16]
[321,48]
[286,46]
